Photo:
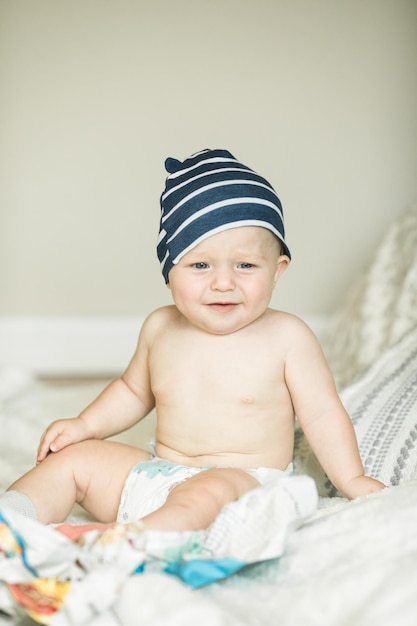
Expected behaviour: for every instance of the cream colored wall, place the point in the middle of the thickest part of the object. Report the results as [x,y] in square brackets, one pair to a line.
[319,96]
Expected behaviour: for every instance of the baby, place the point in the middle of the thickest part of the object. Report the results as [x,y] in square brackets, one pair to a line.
[226,374]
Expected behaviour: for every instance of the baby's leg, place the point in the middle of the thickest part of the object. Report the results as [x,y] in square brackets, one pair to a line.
[195,503]
[91,473]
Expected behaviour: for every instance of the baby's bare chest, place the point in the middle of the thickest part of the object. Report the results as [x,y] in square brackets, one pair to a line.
[247,372]
[221,397]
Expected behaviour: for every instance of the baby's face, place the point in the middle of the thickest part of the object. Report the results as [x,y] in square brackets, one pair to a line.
[226,282]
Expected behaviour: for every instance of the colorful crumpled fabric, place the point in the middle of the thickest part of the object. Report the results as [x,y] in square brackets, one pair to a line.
[60,582]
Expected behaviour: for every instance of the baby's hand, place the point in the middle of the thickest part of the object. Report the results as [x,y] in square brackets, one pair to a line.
[362,486]
[62,433]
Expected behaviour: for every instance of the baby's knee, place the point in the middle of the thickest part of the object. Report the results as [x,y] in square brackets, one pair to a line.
[229,484]
[216,488]
[74,455]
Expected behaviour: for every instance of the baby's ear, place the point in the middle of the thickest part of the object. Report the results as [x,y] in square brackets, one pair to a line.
[283,262]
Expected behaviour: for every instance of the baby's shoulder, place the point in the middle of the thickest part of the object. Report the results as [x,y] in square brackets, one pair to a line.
[290,326]
[289,321]
[160,320]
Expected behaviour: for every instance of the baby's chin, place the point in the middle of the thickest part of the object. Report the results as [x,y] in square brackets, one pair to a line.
[222,322]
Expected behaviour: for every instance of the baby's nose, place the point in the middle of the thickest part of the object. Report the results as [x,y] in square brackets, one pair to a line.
[223,280]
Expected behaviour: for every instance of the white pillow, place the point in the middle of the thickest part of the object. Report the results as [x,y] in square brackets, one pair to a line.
[382,403]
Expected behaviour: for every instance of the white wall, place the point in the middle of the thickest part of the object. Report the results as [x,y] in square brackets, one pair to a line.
[320,96]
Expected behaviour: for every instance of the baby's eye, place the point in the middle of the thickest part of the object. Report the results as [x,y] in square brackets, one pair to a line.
[200,265]
[246,266]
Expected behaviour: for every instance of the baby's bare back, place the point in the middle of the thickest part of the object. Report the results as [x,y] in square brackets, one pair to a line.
[221,400]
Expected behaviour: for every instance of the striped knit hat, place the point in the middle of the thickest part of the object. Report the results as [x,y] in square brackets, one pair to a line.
[208,193]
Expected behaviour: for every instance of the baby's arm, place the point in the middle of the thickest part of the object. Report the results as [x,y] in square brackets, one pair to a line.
[323,418]
[123,403]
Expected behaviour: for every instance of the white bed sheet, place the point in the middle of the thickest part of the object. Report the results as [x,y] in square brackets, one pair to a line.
[352,564]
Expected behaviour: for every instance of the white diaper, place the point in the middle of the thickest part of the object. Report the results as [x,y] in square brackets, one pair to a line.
[150,482]
[148,485]
[264,475]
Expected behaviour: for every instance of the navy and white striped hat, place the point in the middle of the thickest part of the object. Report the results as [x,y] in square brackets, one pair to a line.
[208,193]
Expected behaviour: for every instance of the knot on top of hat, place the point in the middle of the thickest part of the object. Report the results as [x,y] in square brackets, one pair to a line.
[172,165]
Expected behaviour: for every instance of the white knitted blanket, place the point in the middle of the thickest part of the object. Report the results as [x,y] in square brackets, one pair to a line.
[380,307]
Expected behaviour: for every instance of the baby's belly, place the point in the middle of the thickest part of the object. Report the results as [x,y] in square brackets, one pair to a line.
[244,437]
[278,459]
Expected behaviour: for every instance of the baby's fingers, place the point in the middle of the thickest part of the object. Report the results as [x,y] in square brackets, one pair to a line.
[52,441]
[61,434]
[43,450]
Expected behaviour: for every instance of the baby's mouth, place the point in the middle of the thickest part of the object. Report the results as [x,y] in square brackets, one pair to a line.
[222,307]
